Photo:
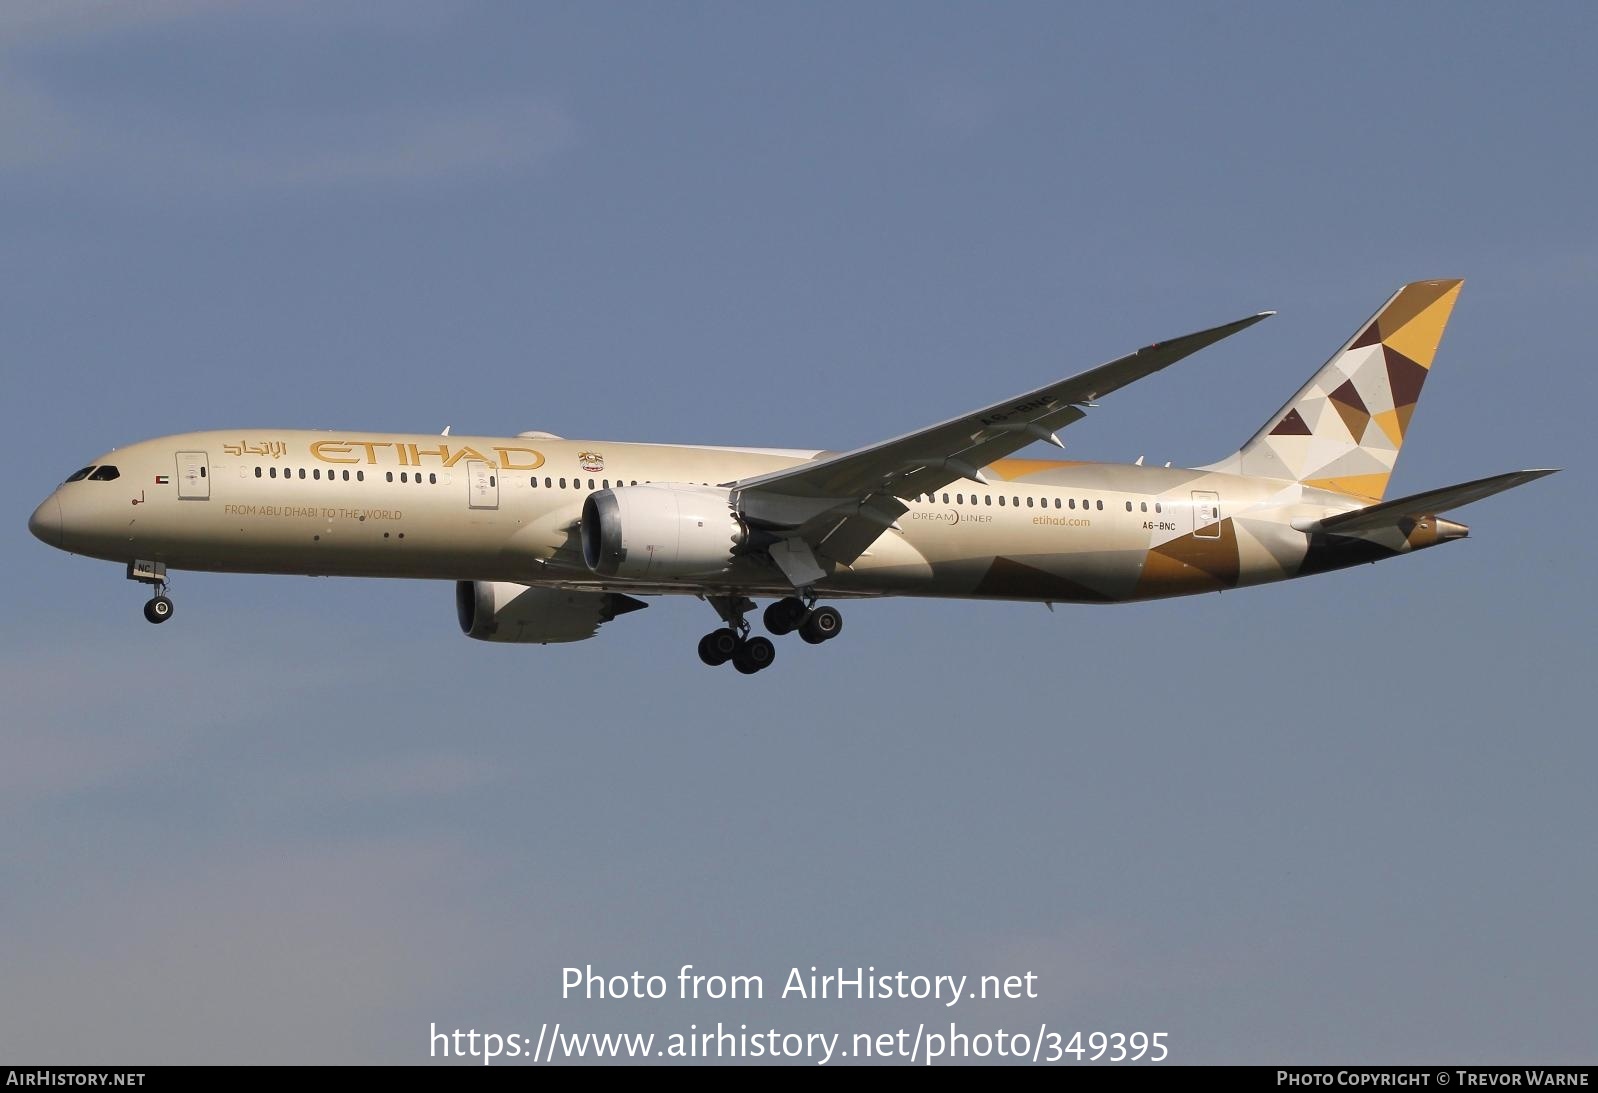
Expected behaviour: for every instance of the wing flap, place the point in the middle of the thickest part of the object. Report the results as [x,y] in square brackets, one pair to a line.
[840,504]
[931,458]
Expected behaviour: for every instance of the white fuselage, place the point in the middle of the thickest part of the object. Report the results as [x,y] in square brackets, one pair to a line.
[507,509]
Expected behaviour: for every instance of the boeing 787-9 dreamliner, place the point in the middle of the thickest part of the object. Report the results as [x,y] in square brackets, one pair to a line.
[547,539]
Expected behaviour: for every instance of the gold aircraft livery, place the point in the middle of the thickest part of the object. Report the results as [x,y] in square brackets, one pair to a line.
[547,539]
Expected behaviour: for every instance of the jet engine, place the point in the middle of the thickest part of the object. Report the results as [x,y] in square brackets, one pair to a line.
[660,531]
[502,611]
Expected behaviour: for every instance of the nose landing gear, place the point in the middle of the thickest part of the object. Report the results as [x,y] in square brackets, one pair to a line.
[159,607]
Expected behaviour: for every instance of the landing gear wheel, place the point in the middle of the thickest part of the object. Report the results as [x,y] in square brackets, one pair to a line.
[756,653]
[784,616]
[718,646]
[158,609]
[824,624]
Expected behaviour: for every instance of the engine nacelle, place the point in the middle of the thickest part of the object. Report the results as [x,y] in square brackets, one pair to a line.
[662,531]
[501,611]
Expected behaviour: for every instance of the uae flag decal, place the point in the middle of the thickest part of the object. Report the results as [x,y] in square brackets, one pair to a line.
[162,479]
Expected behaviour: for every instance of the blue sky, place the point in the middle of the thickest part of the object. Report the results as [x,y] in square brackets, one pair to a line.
[1342,819]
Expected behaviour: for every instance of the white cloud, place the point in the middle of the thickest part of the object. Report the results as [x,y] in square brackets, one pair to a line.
[195,148]
[405,777]
[963,107]
[34,21]
[88,714]
[263,954]
[393,146]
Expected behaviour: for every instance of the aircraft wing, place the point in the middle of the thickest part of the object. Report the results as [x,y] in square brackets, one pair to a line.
[1429,503]
[839,504]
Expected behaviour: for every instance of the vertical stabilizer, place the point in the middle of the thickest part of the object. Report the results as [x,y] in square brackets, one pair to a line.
[1344,428]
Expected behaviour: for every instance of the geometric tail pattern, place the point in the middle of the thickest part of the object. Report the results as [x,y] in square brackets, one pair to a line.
[1343,430]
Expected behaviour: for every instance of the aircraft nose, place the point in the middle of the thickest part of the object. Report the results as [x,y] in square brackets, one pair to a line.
[45,523]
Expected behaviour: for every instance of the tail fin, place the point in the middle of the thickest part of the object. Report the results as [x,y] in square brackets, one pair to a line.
[1343,430]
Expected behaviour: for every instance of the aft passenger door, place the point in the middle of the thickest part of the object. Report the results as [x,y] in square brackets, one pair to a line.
[194,476]
[483,484]
[1206,515]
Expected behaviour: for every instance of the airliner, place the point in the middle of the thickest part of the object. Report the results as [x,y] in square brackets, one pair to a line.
[547,538]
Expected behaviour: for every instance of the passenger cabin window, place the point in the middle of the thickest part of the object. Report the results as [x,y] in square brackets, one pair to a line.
[105,474]
[79,476]
[258,472]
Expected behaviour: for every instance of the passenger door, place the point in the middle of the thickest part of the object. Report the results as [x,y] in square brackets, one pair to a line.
[194,476]
[483,484]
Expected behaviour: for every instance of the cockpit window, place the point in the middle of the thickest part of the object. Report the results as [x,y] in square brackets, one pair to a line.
[78,476]
[107,473]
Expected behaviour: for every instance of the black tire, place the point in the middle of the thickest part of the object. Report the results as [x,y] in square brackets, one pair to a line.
[824,624]
[758,653]
[784,616]
[718,646]
[707,652]
[158,610]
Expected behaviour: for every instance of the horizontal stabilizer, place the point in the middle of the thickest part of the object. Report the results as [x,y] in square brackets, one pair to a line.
[1429,503]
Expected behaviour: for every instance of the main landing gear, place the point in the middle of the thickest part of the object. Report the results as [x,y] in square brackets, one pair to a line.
[732,642]
[815,624]
[159,607]
[750,655]
[747,654]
